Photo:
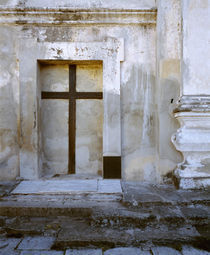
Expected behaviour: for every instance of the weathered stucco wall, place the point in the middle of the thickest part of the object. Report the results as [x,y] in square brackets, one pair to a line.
[9,104]
[137,89]
[150,78]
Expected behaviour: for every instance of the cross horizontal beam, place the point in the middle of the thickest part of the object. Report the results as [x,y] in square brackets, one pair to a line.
[68,95]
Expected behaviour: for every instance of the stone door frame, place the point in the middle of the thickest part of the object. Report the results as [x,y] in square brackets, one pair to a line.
[110,52]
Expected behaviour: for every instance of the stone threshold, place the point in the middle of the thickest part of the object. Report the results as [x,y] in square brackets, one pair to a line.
[59,187]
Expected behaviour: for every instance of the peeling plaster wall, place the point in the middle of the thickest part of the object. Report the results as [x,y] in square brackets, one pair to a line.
[168,82]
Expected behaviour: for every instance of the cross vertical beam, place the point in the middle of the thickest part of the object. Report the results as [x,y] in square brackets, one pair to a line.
[72,118]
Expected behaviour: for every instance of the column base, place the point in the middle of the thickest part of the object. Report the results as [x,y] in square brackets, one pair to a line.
[192,139]
[186,179]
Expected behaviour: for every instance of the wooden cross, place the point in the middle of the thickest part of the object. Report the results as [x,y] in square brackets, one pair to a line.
[72,95]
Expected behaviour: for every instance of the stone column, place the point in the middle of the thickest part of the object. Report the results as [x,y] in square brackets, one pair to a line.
[193,108]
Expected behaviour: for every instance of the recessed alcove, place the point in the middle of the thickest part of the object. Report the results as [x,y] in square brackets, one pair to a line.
[55,114]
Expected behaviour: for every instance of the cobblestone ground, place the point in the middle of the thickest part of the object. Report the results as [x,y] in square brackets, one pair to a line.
[42,245]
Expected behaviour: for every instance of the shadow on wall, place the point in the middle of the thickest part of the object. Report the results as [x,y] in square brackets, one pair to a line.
[169,157]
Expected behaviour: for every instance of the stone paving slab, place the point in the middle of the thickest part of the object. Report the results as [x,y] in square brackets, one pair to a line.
[109,186]
[55,186]
[68,187]
[9,252]
[6,187]
[36,243]
[8,245]
[41,246]
[84,252]
[188,250]
[126,251]
[164,251]
[36,252]
[136,193]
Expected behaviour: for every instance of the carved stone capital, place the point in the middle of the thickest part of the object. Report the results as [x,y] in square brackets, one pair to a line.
[192,139]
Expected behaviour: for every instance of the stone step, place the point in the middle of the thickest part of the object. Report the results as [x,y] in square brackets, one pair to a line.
[83,232]
[103,213]
[144,214]
[82,235]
